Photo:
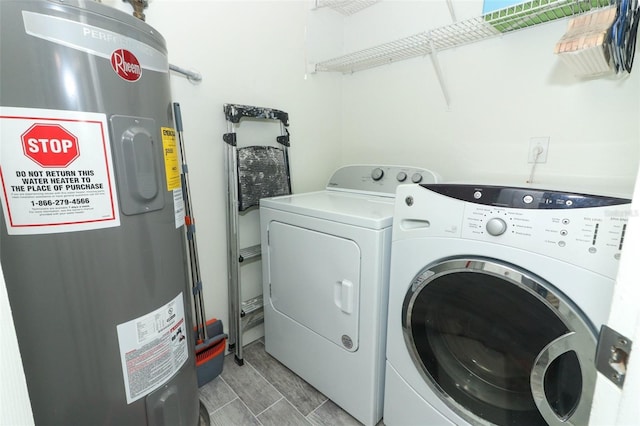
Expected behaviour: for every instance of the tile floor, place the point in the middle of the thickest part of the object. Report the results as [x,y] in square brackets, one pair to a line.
[265,392]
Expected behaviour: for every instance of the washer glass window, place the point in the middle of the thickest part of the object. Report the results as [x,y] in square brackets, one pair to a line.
[476,336]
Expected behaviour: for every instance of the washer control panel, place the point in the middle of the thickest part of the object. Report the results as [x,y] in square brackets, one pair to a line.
[378,179]
[580,228]
[589,230]
[523,198]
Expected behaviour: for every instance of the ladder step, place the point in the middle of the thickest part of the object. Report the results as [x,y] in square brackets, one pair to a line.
[250,252]
[252,312]
[253,319]
[253,304]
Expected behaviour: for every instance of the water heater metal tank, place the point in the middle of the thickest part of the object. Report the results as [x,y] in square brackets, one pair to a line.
[91,230]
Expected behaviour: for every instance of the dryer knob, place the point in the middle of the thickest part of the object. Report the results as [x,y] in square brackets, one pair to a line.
[496,226]
[377,173]
[416,178]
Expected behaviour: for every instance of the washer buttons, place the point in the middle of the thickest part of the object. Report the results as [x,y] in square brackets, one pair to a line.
[477,195]
[565,221]
[562,243]
[563,232]
[528,199]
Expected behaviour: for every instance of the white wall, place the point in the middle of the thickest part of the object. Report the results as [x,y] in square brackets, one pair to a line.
[503,91]
[15,408]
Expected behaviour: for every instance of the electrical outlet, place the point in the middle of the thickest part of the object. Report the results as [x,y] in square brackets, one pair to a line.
[538,149]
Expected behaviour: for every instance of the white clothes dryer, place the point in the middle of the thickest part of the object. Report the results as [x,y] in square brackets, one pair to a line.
[496,298]
[325,258]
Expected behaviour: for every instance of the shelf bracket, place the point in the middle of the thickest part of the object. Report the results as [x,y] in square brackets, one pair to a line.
[438,70]
[451,11]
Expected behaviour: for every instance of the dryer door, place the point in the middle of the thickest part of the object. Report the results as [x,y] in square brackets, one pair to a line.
[499,344]
[315,280]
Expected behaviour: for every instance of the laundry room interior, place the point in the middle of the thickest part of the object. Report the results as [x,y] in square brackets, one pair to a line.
[503,92]
[473,114]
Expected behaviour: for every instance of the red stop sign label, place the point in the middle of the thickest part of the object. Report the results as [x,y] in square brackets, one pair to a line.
[50,145]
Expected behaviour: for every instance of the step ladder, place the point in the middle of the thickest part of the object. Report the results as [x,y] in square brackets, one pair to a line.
[253,172]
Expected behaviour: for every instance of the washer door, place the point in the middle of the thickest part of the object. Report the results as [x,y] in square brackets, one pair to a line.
[500,345]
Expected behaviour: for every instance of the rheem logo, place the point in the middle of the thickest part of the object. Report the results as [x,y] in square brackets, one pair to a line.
[50,145]
[126,65]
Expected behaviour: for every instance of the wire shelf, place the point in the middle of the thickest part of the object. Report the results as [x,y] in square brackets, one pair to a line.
[460,33]
[535,12]
[346,7]
[405,48]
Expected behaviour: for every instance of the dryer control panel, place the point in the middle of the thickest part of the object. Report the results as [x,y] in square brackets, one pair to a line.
[378,179]
[585,230]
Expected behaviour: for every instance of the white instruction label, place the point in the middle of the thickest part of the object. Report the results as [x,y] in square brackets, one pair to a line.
[152,348]
[56,171]
[178,207]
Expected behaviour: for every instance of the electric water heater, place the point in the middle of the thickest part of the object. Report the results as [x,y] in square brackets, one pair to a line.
[92,243]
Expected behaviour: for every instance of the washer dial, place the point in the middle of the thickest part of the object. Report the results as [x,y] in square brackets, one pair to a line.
[496,226]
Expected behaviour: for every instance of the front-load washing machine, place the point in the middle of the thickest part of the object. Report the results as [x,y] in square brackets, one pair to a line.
[325,258]
[496,297]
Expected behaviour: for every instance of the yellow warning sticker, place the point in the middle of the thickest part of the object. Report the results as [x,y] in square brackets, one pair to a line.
[171,161]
